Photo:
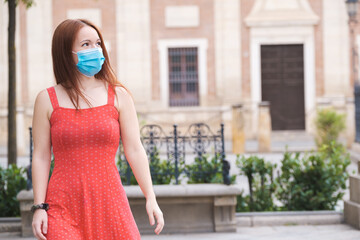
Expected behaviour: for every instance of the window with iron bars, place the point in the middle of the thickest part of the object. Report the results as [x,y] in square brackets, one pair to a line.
[183,77]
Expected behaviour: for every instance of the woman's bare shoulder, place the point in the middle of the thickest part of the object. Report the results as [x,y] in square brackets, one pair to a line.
[43,93]
[59,89]
[42,96]
[122,93]
[120,90]
[42,101]
[123,96]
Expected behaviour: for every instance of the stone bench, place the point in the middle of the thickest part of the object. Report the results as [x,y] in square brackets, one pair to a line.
[188,208]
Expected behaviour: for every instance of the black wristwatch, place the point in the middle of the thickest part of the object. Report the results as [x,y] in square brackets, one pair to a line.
[38,206]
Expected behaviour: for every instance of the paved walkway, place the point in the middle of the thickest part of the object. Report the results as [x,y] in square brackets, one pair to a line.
[320,232]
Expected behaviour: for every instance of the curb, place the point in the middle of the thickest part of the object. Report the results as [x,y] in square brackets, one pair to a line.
[256,219]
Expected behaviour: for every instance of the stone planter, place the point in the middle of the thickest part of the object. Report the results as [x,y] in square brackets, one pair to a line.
[188,208]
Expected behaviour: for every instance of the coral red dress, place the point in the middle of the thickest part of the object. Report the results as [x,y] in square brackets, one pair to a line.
[86,198]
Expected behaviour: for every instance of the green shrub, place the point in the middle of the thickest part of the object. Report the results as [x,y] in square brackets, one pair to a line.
[12,181]
[329,125]
[315,181]
[123,167]
[162,171]
[51,166]
[203,170]
[242,202]
[261,185]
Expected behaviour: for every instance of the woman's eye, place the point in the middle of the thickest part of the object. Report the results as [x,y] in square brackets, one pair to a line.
[85,44]
[98,43]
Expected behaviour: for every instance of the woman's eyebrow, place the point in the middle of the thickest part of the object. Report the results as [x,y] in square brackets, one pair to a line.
[89,40]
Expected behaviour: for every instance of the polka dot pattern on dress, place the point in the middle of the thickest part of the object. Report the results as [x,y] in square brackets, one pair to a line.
[86,198]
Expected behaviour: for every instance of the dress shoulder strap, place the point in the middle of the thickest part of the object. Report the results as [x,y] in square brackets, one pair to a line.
[53,98]
[110,95]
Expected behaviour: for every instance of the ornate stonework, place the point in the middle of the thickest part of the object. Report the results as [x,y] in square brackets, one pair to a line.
[281,13]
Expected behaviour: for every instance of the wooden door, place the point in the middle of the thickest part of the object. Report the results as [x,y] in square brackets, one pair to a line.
[282,84]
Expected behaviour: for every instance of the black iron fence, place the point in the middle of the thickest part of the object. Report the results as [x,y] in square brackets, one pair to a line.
[184,155]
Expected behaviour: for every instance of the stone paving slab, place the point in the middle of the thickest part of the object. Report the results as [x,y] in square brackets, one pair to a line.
[308,232]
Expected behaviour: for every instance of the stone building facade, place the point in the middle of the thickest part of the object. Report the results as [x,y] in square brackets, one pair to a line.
[190,61]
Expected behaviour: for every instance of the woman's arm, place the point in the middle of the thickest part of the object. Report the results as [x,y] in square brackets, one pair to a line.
[42,147]
[136,155]
[41,160]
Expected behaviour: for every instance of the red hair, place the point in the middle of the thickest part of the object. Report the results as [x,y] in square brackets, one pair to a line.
[65,70]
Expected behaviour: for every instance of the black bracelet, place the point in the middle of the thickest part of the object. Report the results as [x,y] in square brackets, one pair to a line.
[44,206]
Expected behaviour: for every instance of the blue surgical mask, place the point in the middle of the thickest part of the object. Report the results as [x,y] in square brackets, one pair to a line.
[90,61]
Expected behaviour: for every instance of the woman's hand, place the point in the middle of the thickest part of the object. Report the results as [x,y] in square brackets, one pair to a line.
[40,224]
[153,209]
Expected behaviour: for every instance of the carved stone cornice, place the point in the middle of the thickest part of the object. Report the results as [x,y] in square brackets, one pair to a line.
[270,13]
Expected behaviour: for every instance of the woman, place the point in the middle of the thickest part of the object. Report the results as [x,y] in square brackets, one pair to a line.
[84,198]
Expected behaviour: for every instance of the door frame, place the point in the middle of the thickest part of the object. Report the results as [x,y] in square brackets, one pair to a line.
[284,36]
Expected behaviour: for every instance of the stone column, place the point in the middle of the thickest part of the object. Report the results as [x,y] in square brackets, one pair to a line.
[264,127]
[238,134]
[26,199]
[350,122]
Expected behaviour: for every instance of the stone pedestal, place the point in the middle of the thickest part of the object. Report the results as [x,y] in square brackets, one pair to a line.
[188,208]
[224,214]
[352,206]
[350,122]
[264,127]
[238,134]
[26,199]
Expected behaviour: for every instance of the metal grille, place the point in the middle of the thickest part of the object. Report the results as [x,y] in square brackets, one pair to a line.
[183,77]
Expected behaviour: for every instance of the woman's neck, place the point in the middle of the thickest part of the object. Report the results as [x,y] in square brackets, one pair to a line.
[87,83]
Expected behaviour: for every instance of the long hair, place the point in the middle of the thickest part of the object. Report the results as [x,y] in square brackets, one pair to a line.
[65,70]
